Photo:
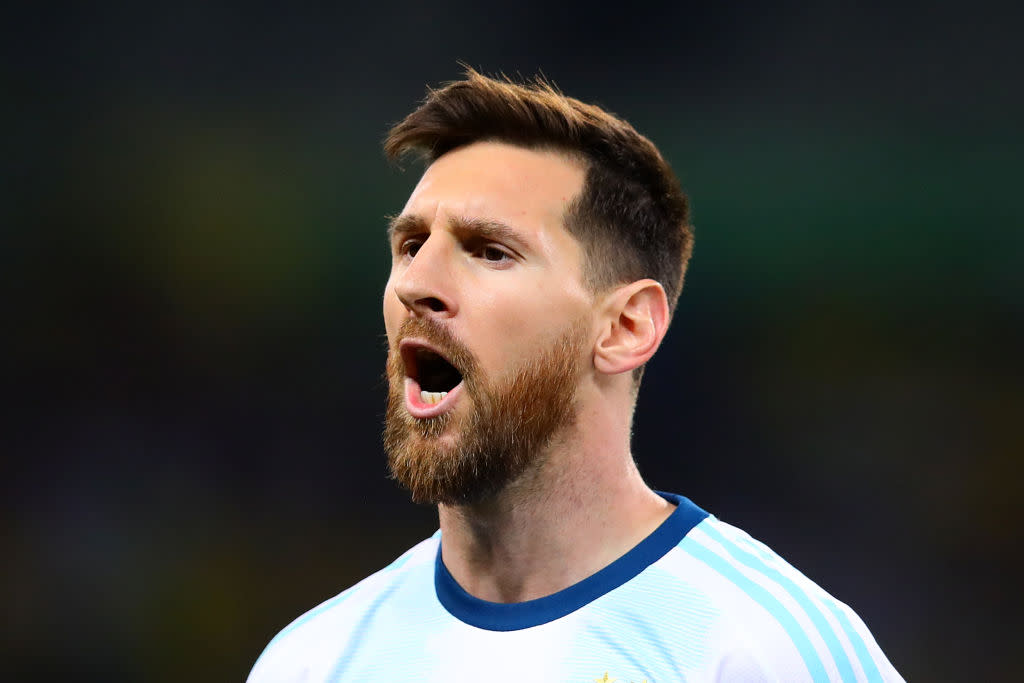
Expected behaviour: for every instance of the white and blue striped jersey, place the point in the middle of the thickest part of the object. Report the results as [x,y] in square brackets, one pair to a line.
[697,600]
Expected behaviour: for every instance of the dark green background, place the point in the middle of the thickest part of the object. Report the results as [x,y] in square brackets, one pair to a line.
[193,258]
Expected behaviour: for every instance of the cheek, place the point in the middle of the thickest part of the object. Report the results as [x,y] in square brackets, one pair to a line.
[522,326]
[392,309]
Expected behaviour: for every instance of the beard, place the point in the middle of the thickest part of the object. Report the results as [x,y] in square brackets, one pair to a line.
[469,454]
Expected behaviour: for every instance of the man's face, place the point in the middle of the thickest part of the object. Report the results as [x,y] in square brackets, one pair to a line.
[488,321]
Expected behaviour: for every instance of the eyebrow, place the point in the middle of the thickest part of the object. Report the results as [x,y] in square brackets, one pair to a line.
[404,224]
[486,228]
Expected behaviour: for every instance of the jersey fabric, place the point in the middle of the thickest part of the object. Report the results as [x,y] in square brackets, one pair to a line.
[697,600]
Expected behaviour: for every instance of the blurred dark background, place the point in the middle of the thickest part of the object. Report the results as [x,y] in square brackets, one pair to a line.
[193,256]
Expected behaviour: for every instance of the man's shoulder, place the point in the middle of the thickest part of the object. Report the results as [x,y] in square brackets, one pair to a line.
[338,616]
[726,552]
[765,609]
[353,600]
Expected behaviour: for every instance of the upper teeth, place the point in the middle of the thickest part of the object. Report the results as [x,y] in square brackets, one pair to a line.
[432,397]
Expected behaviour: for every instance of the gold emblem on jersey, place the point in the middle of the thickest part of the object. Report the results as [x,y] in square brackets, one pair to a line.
[605,679]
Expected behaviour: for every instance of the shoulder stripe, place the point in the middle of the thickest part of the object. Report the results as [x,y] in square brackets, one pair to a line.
[319,609]
[343,596]
[750,560]
[866,660]
[360,631]
[769,602]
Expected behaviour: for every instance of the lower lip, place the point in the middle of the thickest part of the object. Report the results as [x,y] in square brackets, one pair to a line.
[418,409]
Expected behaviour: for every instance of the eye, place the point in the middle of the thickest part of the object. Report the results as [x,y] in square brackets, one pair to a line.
[494,254]
[410,247]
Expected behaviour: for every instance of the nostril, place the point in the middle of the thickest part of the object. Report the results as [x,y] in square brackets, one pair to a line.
[434,304]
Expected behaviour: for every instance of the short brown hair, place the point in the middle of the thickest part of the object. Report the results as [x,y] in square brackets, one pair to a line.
[631,217]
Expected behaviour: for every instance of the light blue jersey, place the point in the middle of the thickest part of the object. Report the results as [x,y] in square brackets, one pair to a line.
[697,600]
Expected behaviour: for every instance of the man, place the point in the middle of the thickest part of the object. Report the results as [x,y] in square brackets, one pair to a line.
[535,269]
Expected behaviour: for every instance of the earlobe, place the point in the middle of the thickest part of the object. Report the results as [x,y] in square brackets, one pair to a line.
[636,322]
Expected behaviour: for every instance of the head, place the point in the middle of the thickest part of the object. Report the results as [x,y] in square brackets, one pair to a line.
[541,255]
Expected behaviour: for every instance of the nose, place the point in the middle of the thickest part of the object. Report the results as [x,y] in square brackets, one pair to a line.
[426,285]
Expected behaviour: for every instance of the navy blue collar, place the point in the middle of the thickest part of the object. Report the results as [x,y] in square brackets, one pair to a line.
[498,616]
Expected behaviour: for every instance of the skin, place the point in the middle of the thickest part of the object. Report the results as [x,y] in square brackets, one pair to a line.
[503,293]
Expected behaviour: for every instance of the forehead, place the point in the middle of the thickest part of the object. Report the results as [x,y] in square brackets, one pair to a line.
[525,188]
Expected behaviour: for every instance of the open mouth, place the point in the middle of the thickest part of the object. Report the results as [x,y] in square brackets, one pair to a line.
[432,382]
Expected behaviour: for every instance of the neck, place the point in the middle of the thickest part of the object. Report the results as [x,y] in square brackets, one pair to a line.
[581,509]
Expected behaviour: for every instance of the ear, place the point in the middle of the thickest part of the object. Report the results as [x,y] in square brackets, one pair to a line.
[635,322]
